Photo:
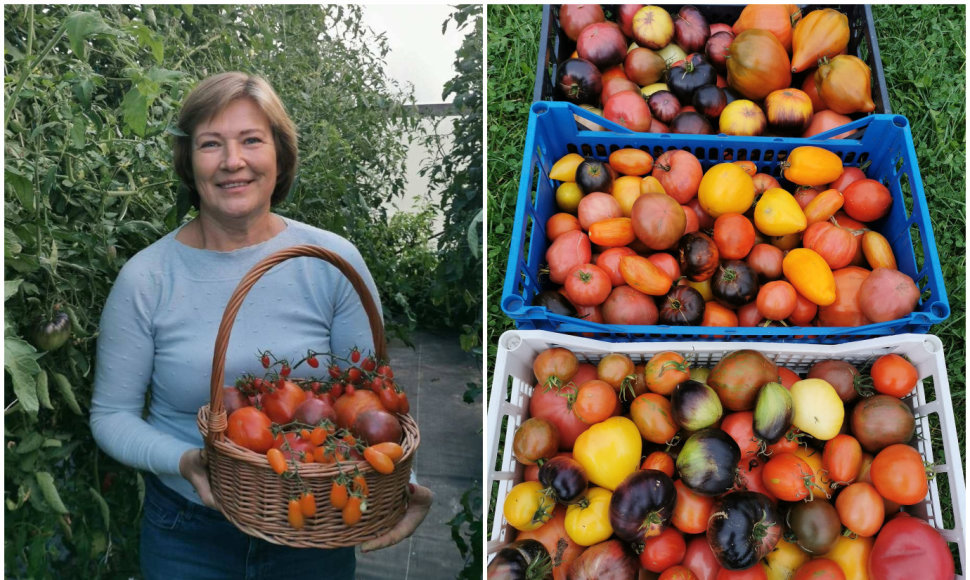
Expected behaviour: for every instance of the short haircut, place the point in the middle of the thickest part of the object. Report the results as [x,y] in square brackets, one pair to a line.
[210,97]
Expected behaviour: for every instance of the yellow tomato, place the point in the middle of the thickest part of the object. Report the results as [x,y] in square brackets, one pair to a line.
[818,410]
[565,168]
[609,451]
[588,521]
[704,287]
[651,89]
[778,214]
[626,190]
[810,275]
[725,188]
[851,553]
[651,184]
[784,559]
[568,196]
[527,506]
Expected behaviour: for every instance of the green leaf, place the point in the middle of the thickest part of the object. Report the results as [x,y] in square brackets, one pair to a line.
[102,507]
[30,443]
[188,8]
[47,488]
[77,133]
[20,360]
[21,186]
[148,39]
[10,287]
[134,107]
[82,91]
[64,386]
[82,25]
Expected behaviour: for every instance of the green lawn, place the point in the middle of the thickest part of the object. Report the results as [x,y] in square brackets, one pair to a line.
[923,53]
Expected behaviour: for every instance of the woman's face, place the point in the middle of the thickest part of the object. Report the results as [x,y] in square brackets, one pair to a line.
[234,161]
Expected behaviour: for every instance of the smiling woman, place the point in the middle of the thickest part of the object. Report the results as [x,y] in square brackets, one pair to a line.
[235,152]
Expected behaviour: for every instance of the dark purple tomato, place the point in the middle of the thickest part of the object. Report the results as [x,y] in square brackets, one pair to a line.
[565,477]
[664,106]
[579,81]
[683,306]
[691,123]
[734,283]
[743,528]
[710,100]
[642,505]
[698,256]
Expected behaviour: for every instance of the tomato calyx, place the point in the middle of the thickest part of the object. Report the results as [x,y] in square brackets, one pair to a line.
[761,528]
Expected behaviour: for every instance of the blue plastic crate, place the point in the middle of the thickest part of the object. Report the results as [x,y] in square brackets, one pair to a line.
[884,141]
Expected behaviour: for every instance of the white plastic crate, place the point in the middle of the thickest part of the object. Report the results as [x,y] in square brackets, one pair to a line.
[513,382]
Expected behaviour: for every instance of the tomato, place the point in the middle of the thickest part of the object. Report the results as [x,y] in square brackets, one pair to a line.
[845,310]
[734,235]
[765,260]
[804,312]
[644,275]
[629,161]
[665,371]
[814,524]
[561,223]
[553,404]
[609,451]
[810,275]
[750,477]
[527,507]
[663,551]
[818,409]
[788,477]
[250,428]
[788,377]
[756,572]
[567,251]
[658,220]
[595,401]
[867,200]
[588,521]
[661,461]
[840,374]
[777,300]
[739,375]
[616,369]
[349,405]
[718,315]
[851,553]
[836,244]
[574,18]
[677,573]
[860,509]
[899,475]
[784,559]
[294,447]
[560,546]
[587,285]
[680,173]
[280,404]
[725,188]
[820,569]
[778,214]
[653,417]
[628,108]
[627,305]
[535,440]
[555,366]
[667,263]
[842,458]
[908,547]
[609,262]
[700,559]
[276,460]
[740,426]
[893,375]
[692,510]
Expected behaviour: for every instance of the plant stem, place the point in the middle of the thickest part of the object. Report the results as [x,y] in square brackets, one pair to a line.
[12,103]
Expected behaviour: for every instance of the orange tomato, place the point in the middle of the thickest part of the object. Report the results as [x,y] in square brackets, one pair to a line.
[665,371]
[630,161]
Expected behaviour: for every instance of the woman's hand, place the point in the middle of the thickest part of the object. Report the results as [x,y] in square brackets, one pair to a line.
[418,507]
[193,466]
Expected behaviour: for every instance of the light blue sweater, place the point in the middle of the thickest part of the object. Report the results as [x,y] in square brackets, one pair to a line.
[159,326]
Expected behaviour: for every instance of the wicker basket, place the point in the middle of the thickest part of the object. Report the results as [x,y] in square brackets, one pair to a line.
[252,496]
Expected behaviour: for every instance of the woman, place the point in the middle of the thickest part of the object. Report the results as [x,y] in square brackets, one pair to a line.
[237,157]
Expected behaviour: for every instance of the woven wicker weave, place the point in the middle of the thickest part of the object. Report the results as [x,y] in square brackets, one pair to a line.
[252,496]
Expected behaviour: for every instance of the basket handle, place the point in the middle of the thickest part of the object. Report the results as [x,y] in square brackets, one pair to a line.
[217,413]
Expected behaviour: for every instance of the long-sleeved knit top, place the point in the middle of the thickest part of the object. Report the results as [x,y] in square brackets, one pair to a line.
[159,326]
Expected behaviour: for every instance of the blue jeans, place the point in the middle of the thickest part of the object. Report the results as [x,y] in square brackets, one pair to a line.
[182,540]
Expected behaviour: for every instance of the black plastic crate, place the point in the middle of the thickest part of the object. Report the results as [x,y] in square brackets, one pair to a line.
[555,46]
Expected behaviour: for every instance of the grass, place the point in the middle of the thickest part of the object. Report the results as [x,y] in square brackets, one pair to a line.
[923,52]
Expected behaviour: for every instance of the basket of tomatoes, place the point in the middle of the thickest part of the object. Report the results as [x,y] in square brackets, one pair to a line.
[312,463]
[652,237]
[773,460]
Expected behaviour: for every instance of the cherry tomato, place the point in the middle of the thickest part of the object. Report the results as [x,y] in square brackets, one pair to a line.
[338,494]
[295,514]
[893,375]
[276,460]
[308,505]
[678,573]
[352,511]
[663,551]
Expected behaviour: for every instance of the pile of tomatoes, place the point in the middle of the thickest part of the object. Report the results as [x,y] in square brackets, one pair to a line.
[656,71]
[343,418]
[643,241]
[745,470]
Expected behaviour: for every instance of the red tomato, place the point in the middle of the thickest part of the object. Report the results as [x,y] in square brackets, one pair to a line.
[661,461]
[627,305]
[766,260]
[653,417]
[280,404]
[819,569]
[750,478]
[587,285]
[777,300]
[667,263]
[704,219]
[569,250]
[609,261]
[867,200]
[756,572]
[842,459]
[630,109]
[663,551]
[716,314]
[804,313]
[837,245]
[561,223]
[788,377]
[677,573]
[748,315]
[250,428]
[734,235]
[680,173]
[700,559]
[788,477]
[691,510]
[553,404]
[849,176]
[860,509]
[899,475]
[908,548]
[553,536]
[740,426]
[294,446]
[596,401]
[665,371]
[597,206]
[893,375]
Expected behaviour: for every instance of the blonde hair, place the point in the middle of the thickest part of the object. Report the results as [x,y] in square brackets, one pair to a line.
[211,96]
